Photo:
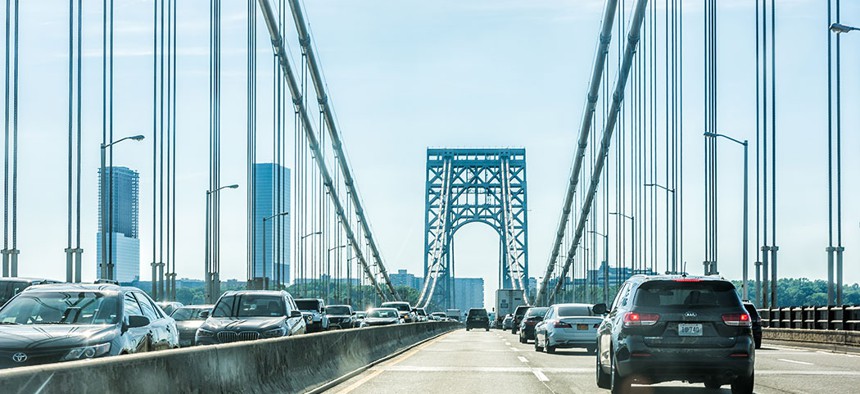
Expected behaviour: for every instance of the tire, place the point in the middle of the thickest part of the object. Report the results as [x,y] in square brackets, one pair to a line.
[591,350]
[523,339]
[618,385]
[487,329]
[467,328]
[743,385]
[713,384]
[550,349]
[537,347]
[758,343]
[604,380]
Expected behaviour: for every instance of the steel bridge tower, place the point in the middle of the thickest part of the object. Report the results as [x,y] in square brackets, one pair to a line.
[474,185]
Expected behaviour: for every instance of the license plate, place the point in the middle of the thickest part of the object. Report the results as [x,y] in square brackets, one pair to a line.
[582,326]
[689,330]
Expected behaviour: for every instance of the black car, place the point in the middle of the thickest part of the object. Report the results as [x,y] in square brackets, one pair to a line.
[188,320]
[518,317]
[477,318]
[313,310]
[340,316]
[64,322]
[531,318]
[671,327]
[249,315]
[756,323]
[11,286]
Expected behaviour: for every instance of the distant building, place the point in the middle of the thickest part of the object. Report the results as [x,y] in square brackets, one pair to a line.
[123,244]
[403,278]
[468,293]
[271,178]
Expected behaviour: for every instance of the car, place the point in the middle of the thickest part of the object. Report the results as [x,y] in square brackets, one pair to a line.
[340,316]
[169,306]
[11,286]
[359,316]
[755,318]
[567,326]
[532,317]
[406,312]
[477,318]
[421,314]
[382,317]
[518,317]
[675,327]
[439,316]
[248,315]
[314,311]
[188,320]
[64,322]
[508,322]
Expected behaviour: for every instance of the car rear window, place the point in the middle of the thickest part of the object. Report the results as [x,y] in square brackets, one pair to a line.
[477,312]
[337,310]
[570,311]
[308,305]
[400,306]
[681,294]
[534,312]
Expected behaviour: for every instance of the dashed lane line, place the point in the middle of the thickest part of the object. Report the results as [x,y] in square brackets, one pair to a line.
[541,377]
[523,359]
[795,361]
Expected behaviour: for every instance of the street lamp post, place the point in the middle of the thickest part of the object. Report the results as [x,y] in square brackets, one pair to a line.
[328,269]
[265,282]
[632,241]
[839,28]
[745,144]
[213,281]
[606,265]
[107,209]
[674,238]
[302,262]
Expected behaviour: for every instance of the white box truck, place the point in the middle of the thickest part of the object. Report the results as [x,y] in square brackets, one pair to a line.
[507,300]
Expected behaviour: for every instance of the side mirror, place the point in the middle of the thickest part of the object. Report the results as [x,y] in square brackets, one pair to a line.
[136,321]
[599,309]
[295,313]
[204,314]
[353,313]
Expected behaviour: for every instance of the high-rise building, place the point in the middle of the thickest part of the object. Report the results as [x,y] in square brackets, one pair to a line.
[271,186]
[123,244]
[468,293]
[403,278]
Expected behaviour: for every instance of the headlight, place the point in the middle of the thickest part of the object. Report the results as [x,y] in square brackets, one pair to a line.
[274,333]
[201,333]
[87,352]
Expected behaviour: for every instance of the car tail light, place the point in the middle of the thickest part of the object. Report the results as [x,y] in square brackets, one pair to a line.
[737,320]
[640,319]
[561,324]
[596,325]
[531,322]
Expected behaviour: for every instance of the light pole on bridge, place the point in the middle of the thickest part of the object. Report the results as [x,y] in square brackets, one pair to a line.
[211,275]
[632,243]
[745,144]
[107,209]
[266,282]
[605,265]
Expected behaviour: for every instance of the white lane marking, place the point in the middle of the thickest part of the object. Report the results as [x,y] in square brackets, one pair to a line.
[540,375]
[515,349]
[507,343]
[414,368]
[809,373]
[523,359]
[795,362]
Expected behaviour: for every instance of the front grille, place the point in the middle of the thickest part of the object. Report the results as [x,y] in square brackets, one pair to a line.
[232,336]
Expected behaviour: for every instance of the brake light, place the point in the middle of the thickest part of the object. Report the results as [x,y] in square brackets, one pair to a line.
[737,320]
[640,319]
[561,324]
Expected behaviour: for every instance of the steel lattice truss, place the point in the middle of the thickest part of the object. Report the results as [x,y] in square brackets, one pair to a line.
[474,185]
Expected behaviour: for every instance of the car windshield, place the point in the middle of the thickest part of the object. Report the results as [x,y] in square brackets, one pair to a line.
[183,314]
[683,294]
[250,305]
[337,310]
[400,306]
[308,305]
[574,310]
[536,312]
[383,313]
[8,289]
[61,308]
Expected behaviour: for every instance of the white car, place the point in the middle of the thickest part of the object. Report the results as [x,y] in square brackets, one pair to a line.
[567,326]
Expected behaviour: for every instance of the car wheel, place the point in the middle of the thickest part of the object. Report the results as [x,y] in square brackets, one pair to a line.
[712,384]
[618,385]
[550,349]
[603,379]
[487,329]
[538,348]
[467,328]
[522,339]
[743,385]
[591,350]
[758,343]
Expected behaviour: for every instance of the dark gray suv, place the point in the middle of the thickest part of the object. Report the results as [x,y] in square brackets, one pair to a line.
[663,328]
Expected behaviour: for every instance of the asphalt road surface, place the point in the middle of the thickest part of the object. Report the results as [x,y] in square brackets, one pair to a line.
[495,362]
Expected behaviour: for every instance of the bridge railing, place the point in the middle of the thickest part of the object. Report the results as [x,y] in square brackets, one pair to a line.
[843,317]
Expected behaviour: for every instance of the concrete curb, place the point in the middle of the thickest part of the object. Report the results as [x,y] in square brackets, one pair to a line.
[294,364]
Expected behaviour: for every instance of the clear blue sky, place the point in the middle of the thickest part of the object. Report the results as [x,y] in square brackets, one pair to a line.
[405,76]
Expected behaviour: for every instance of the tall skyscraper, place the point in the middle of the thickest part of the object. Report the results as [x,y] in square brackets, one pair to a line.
[124,251]
[271,178]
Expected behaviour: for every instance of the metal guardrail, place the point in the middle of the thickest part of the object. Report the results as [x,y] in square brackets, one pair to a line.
[812,317]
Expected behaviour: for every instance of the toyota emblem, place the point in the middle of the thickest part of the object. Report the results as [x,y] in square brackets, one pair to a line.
[19,357]
[691,314]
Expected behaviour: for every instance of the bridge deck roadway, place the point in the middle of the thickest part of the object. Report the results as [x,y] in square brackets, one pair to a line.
[495,361]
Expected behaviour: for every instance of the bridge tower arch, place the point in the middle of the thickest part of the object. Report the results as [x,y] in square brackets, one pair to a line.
[474,185]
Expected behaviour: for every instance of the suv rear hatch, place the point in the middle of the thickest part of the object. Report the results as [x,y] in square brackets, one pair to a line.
[689,313]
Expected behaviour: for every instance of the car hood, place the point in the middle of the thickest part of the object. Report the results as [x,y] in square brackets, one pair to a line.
[240,324]
[46,336]
[380,320]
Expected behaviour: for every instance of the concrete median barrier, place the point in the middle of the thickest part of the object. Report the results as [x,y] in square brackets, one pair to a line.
[291,365]
[830,339]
